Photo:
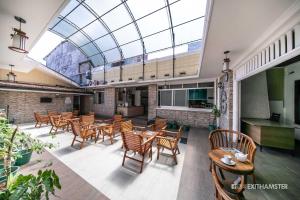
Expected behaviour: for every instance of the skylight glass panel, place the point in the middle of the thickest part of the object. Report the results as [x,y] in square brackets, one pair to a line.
[117,17]
[141,8]
[64,28]
[69,7]
[185,10]
[105,43]
[95,30]
[154,23]
[97,60]
[132,49]
[102,6]
[112,55]
[79,39]
[81,16]
[189,32]
[158,41]
[53,22]
[89,49]
[126,34]
[160,54]
[44,46]
[182,49]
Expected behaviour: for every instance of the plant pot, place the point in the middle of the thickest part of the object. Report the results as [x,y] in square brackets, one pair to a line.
[186,128]
[14,170]
[212,127]
[26,156]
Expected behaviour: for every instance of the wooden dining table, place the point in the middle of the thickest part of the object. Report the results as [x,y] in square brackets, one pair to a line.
[242,169]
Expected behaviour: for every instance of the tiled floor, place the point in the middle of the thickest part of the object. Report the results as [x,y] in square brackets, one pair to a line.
[100,165]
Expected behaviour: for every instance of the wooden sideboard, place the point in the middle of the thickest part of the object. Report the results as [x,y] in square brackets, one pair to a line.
[268,133]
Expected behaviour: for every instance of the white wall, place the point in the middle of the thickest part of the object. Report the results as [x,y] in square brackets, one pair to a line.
[254,97]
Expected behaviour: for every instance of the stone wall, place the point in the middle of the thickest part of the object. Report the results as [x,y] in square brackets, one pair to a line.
[226,118]
[184,117]
[152,101]
[23,104]
[109,106]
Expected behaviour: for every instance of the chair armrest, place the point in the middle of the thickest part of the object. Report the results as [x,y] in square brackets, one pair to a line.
[170,133]
[148,140]
[139,127]
[165,138]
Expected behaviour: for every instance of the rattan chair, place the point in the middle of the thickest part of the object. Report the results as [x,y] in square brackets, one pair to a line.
[82,131]
[134,142]
[169,141]
[41,119]
[159,124]
[233,139]
[57,123]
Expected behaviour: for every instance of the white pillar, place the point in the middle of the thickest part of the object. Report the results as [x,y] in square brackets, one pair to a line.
[235,103]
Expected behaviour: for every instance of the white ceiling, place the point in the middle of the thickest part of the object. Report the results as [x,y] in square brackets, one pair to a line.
[235,25]
[37,13]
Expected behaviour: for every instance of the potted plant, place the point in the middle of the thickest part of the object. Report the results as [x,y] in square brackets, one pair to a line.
[216,114]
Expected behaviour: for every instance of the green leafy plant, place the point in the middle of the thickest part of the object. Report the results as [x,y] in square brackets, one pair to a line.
[216,113]
[32,187]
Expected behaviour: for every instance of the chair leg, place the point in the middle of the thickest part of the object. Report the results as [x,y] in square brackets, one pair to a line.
[174,156]
[124,157]
[51,130]
[81,145]
[142,163]
[221,173]
[73,141]
[157,152]
[111,139]
[151,153]
[178,150]
[36,124]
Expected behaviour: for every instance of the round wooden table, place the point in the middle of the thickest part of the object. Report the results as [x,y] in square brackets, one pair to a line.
[240,168]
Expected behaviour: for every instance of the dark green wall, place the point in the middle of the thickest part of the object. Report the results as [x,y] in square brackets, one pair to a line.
[275,80]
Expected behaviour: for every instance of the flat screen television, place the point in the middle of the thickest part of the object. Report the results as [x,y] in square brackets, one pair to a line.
[46,100]
[297,102]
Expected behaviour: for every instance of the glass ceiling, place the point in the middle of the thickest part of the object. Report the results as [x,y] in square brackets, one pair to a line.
[108,31]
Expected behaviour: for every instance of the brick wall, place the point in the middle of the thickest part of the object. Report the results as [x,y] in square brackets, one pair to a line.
[183,117]
[226,119]
[109,106]
[152,101]
[23,104]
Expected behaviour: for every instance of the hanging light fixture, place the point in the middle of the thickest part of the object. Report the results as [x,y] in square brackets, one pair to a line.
[11,76]
[19,38]
[226,62]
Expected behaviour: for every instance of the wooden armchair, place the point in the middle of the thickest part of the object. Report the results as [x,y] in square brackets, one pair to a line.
[159,124]
[233,139]
[83,132]
[111,130]
[87,119]
[40,119]
[134,142]
[169,141]
[57,122]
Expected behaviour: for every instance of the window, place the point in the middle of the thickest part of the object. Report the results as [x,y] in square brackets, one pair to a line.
[166,98]
[180,98]
[99,97]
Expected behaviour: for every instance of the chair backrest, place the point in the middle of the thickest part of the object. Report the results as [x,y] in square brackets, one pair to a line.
[117,122]
[52,113]
[91,113]
[220,191]
[67,115]
[132,141]
[54,119]
[75,125]
[179,133]
[117,117]
[126,126]
[37,116]
[87,119]
[233,139]
[160,124]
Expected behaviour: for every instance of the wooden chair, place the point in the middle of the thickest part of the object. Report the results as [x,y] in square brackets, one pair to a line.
[169,141]
[159,124]
[87,119]
[82,131]
[127,126]
[233,139]
[50,113]
[67,115]
[220,192]
[40,119]
[117,120]
[134,142]
[111,130]
[57,122]
[75,112]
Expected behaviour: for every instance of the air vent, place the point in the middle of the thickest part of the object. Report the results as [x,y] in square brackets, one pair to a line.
[182,73]
[167,75]
[112,81]
[152,76]
[130,79]
[141,78]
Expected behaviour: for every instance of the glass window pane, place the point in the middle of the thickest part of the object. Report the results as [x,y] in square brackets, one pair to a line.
[112,55]
[166,97]
[192,9]
[116,18]
[132,49]
[141,8]
[81,16]
[189,32]
[64,28]
[95,30]
[179,97]
[89,49]
[160,54]
[79,39]
[103,6]
[158,41]
[153,23]
[97,60]
[70,6]
[53,22]
[105,43]
[181,49]
[126,34]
